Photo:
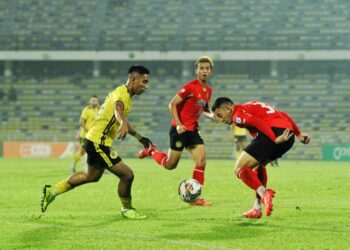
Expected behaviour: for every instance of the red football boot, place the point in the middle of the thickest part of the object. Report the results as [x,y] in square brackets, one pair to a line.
[201,202]
[147,151]
[254,213]
[266,199]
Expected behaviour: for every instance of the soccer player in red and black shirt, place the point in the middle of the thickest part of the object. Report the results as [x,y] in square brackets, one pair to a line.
[186,108]
[273,132]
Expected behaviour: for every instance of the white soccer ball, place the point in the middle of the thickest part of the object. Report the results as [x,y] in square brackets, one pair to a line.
[190,190]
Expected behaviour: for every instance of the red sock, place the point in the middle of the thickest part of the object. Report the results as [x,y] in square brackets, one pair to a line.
[160,157]
[249,178]
[198,174]
[262,175]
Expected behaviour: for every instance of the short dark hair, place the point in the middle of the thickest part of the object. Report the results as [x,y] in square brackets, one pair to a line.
[94,96]
[139,69]
[221,101]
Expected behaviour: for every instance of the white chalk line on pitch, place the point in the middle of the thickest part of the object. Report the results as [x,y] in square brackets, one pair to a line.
[130,236]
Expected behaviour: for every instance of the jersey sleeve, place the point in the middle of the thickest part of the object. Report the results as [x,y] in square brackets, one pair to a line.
[121,95]
[294,125]
[185,91]
[243,119]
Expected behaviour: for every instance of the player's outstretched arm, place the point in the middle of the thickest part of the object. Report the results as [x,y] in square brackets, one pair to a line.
[146,142]
[207,113]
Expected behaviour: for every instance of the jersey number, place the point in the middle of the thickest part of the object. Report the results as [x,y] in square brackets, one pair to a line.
[266,106]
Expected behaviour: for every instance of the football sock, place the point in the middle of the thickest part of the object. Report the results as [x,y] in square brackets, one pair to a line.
[61,187]
[262,175]
[251,180]
[198,174]
[257,203]
[160,157]
[77,158]
[126,202]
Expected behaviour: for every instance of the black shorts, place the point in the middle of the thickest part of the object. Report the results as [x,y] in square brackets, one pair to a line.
[265,150]
[99,155]
[187,139]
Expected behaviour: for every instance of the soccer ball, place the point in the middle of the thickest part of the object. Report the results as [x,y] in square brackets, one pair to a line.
[189,190]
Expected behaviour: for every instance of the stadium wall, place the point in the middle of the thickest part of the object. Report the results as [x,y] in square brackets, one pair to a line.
[232,55]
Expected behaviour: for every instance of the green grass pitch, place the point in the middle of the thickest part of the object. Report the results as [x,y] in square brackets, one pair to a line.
[311,208]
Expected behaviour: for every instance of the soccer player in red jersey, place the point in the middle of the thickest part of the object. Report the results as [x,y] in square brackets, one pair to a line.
[186,108]
[273,132]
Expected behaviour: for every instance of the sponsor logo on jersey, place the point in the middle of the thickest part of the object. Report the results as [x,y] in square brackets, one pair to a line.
[201,103]
[238,120]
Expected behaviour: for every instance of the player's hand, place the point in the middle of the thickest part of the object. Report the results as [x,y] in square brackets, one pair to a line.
[146,142]
[284,137]
[180,129]
[304,138]
[122,131]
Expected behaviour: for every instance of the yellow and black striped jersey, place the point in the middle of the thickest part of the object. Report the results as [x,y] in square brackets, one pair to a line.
[88,114]
[105,127]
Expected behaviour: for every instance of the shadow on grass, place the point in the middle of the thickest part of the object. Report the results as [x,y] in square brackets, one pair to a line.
[224,230]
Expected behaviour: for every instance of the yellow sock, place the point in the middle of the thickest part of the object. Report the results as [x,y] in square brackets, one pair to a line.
[77,158]
[61,187]
[126,202]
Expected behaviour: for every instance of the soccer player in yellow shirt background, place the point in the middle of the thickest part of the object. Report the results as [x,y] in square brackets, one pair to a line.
[240,139]
[110,122]
[86,120]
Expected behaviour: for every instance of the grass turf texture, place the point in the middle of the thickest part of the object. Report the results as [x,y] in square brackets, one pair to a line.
[312,208]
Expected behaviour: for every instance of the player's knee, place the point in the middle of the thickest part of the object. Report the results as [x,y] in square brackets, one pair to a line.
[236,170]
[170,165]
[93,178]
[128,177]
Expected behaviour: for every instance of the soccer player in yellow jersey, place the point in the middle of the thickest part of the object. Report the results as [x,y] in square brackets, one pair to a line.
[87,118]
[239,138]
[110,122]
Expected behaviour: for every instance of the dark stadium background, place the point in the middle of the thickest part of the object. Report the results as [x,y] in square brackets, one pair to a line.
[294,54]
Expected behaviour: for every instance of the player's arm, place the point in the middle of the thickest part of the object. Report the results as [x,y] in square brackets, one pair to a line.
[82,124]
[146,142]
[207,113]
[82,120]
[303,138]
[123,123]
[177,100]
[246,119]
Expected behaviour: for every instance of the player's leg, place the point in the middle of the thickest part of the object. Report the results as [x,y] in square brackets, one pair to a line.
[170,160]
[49,193]
[198,154]
[244,170]
[255,211]
[199,157]
[77,156]
[126,178]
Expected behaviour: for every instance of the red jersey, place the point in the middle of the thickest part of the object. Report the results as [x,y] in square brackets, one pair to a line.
[195,98]
[261,117]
